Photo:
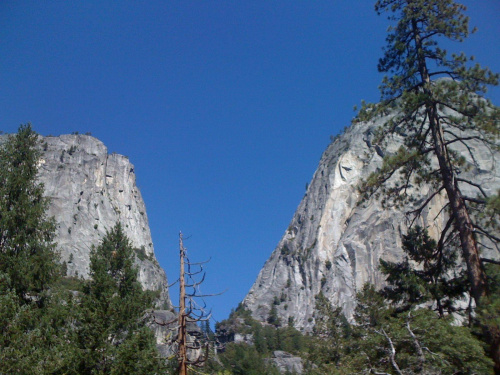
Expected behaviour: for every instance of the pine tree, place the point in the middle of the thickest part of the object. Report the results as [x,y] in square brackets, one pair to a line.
[27,249]
[112,334]
[35,327]
[434,116]
[411,342]
[331,331]
[432,276]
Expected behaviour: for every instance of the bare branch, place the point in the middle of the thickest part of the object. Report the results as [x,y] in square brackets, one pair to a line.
[175,282]
[441,210]
[486,233]
[442,237]
[418,211]
[421,357]
[392,351]
[474,200]
[485,260]
[472,184]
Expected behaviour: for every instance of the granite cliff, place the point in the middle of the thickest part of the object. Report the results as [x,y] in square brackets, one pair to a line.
[90,190]
[333,243]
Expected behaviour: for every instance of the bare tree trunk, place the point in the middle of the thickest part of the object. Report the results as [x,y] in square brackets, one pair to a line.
[182,351]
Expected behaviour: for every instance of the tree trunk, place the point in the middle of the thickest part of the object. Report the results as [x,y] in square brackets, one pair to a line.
[182,350]
[462,221]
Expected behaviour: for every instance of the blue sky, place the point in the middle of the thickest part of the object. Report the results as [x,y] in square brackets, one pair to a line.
[224,107]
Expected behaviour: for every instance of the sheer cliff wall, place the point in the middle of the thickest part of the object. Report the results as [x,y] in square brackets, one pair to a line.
[333,244]
[90,190]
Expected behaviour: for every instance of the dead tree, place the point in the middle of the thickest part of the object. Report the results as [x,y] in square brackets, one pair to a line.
[190,351]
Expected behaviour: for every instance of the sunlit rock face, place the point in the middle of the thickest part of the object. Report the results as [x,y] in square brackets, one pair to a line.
[90,191]
[333,243]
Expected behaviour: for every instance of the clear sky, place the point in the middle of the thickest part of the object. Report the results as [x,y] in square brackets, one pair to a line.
[224,107]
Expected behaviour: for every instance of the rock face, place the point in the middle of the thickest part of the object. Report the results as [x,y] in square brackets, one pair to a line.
[90,191]
[287,363]
[333,244]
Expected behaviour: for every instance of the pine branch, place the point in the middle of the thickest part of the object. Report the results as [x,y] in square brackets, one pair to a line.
[419,210]
[486,233]
[486,260]
[472,184]
[474,200]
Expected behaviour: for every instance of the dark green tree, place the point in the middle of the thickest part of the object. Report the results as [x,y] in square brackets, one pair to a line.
[27,248]
[36,340]
[489,314]
[243,359]
[331,332]
[434,116]
[35,323]
[432,276]
[112,334]
[273,317]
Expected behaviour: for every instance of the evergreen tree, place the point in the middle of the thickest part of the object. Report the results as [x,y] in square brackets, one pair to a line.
[112,335]
[35,324]
[36,340]
[243,359]
[331,332]
[434,116]
[27,250]
[433,275]
[412,342]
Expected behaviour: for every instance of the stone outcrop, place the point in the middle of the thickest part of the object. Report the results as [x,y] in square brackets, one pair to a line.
[333,244]
[287,363]
[90,190]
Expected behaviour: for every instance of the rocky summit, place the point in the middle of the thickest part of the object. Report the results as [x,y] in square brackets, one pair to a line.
[90,190]
[334,242]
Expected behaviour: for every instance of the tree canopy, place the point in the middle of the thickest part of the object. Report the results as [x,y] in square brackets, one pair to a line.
[27,249]
[435,101]
[112,334]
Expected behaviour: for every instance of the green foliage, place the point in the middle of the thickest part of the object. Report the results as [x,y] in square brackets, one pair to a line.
[419,107]
[35,327]
[418,341]
[112,335]
[490,216]
[266,339]
[421,342]
[27,250]
[243,359]
[432,276]
[371,309]
[69,283]
[34,339]
[137,355]
[273,317]
[141,253]
[381,338]
[331,330]
[488,314]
